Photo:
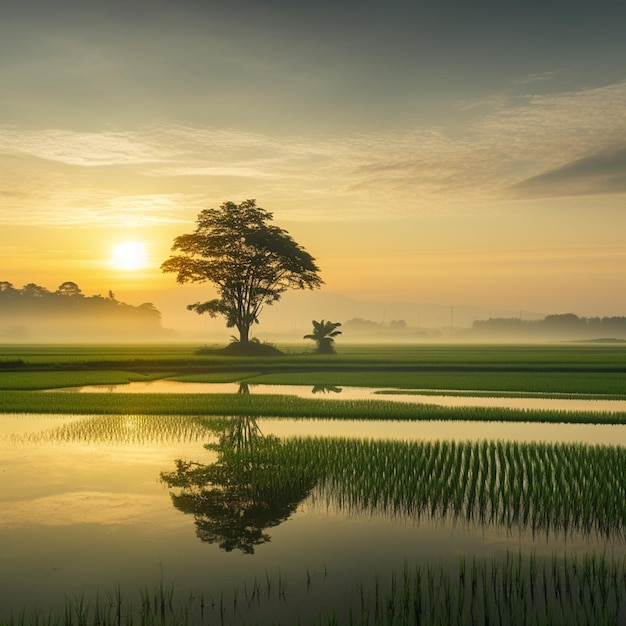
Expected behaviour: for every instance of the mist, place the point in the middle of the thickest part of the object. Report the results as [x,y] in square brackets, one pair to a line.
[34,314]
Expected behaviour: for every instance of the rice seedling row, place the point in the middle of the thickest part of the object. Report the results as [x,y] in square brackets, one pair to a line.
[127,430]
[553,489]
[278,406]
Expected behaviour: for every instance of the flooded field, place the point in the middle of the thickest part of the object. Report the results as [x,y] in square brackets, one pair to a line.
[287,521]
[467,399]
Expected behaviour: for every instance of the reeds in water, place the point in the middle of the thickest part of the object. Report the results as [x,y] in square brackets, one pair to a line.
[547,488]
[568,590]
[513,590]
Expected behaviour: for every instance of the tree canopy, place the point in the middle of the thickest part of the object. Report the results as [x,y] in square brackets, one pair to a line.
[250,261]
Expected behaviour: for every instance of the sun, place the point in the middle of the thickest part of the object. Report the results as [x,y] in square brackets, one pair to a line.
[129,255]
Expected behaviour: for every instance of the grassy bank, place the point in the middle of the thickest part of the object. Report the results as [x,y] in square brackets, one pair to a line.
[554,357]
[569,369]
[276,406]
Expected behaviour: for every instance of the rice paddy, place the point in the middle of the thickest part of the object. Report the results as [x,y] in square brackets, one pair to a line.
[513,590]
[252,528]
[552,489]
[280,406]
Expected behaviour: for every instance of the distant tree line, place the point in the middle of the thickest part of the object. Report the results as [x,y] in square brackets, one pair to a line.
[566,324]
[67,311]
[557,326]
[358,326]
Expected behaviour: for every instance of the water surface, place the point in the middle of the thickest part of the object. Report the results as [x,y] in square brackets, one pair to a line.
[359,393]
[84,508]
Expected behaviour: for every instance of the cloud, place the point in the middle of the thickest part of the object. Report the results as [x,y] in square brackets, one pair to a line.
[523,139]
[86,149]
[555,144]
[238,171]
[600,173]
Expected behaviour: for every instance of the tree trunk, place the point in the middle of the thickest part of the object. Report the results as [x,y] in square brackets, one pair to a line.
[244,334]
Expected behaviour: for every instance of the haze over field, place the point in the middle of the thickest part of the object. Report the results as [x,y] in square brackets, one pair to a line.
[448,156]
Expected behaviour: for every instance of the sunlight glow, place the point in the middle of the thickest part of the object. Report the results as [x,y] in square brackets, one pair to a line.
[129,255]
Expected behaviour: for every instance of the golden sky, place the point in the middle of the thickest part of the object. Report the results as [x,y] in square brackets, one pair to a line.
[453,153]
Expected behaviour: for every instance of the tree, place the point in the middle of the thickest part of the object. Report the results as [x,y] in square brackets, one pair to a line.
[69,289]
[324,333]
[250,261]
[33,290]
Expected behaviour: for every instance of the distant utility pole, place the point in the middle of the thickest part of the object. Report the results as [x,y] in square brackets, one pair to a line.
[451,318]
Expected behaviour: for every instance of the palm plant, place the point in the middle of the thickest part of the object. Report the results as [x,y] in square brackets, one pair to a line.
[324,334]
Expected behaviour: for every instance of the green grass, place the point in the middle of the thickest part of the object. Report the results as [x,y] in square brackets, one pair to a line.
[570,369]
[574,383]
[558,357]
[276,406]
[216,377]
[602,383]
[593,371]
[54,380]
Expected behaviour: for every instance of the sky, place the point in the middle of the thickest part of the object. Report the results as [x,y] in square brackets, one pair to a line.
[451,152]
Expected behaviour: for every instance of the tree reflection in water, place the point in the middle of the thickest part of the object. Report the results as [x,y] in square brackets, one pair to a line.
[325,389]
[243,493]
[244,388]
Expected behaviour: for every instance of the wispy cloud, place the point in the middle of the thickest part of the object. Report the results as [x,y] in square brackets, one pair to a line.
[86,149]
[600,173]
[537,78]
[517,142]
[532,147]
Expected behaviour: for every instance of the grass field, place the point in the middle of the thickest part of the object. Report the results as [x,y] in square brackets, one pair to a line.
[552,369]
[589,371]
[495,357]
[277,406]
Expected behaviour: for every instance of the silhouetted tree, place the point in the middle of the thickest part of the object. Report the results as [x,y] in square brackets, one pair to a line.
[68,288]
[32,290]
[324,334]
[250,261]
